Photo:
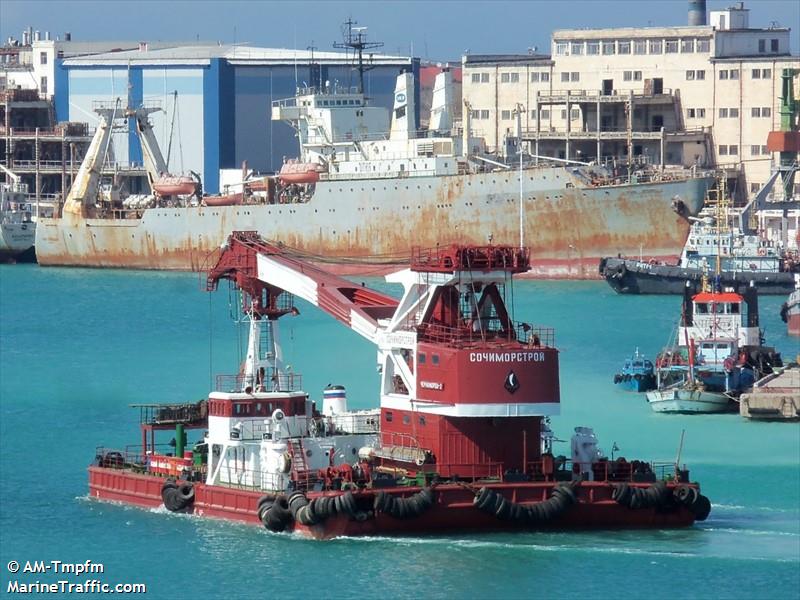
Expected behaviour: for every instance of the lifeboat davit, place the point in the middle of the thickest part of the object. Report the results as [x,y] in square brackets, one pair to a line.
[297,172]
[174,185]
[227,200]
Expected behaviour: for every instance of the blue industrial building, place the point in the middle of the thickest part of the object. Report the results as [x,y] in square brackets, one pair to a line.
[221,113]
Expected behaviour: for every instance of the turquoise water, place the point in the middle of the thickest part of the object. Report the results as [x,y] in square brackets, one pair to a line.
[78,346]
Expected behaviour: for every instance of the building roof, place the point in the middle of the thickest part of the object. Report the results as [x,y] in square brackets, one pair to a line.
[494,59]
[236,54]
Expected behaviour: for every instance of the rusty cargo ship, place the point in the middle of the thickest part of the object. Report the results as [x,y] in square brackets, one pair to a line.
[359,201]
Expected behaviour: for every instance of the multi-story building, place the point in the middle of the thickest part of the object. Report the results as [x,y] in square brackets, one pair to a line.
[705,93]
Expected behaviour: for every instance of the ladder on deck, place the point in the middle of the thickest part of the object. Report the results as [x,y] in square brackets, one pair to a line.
[300,472]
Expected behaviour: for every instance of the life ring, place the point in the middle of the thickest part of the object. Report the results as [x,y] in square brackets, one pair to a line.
[762,251]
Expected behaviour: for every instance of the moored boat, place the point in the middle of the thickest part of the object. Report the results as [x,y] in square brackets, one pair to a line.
[790,310]
[17,228]
[717,354]
[360,198]
[459,442]
[637,374]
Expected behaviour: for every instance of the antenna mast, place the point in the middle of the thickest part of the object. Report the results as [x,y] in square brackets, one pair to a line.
[356,38]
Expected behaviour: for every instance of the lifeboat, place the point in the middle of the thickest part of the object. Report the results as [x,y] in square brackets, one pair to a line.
[174,185]
[227,200]
[297,172]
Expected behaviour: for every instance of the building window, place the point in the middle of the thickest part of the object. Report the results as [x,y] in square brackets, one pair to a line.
[640,47]
[43,85]
[545,113]
[576,48]
[690,113]
[700,75]
[723,150]
[766,73]
[703,46]
[624,47]
[574,76]
[723,74]
[563,114]
[609,48]
[754,187]
[723,113]
[545,77]
[734,113]
[505,115]
[564,77]
[764,150]
[627,76]
[773,45]
[690,75]
[43,58]
[755,150]
[755,112]
[476,78]
[575,114]
[734,73]
[592,47]
[671,46]
[534,77]
[637,75]
[762,46]
[389,416]
[687,46]
[561,48]
[655,46]
[733,150]
[509,77]
[756,74]
[701,113]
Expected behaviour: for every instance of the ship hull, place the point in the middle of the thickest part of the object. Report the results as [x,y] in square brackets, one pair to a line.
[639,277]
[370,225]
[689,402]
[16,242]
[452,512]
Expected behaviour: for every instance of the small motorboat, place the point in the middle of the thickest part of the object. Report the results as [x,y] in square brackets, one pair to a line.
[638,374]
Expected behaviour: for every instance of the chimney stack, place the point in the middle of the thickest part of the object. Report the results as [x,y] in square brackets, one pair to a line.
[697,13]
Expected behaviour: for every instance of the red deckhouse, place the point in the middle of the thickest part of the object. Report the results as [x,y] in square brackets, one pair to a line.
[457,443]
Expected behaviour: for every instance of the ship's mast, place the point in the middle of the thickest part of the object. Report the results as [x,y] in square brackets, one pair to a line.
[355,38]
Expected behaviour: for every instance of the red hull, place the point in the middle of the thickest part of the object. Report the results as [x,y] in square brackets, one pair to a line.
[453,510]
[794,324]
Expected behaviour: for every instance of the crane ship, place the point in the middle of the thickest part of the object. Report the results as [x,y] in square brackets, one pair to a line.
[362,198]
[460,441]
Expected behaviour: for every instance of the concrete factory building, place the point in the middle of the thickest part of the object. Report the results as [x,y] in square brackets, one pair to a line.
[705,93]
[215,99]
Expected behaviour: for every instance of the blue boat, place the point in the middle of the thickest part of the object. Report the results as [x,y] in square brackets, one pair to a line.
[638,374]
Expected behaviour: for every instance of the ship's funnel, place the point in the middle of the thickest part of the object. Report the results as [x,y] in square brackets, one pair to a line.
[697,13]
[442,105]
[403,122]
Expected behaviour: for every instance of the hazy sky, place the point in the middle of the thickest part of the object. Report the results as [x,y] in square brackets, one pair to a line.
[438,30]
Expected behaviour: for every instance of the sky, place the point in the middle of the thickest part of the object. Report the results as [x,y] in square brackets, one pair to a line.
[437,30]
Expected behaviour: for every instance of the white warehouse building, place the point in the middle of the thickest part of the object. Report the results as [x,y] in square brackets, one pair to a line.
[706,93]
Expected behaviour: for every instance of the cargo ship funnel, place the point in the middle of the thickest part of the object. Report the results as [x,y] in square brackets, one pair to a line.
[442,105]
[403,122]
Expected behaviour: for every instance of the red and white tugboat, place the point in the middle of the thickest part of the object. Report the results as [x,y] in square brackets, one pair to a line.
[460,441]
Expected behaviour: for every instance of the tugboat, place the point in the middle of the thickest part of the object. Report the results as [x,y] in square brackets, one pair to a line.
[718,354]
[637,375]
[460,442]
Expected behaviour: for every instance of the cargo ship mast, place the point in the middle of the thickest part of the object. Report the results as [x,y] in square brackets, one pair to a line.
[355,38]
